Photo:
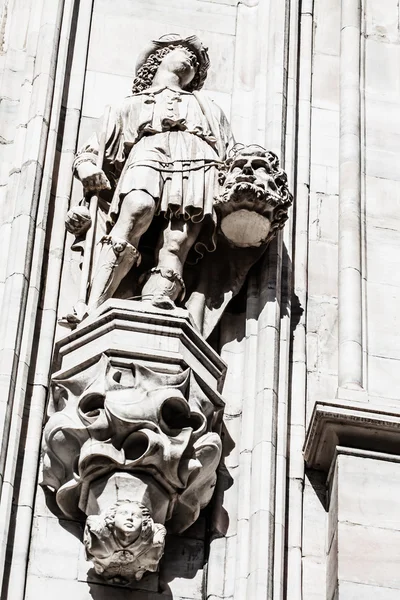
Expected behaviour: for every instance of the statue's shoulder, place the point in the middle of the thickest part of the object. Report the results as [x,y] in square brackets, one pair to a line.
[205,100]
[132,100]
[211,108]
[127,105]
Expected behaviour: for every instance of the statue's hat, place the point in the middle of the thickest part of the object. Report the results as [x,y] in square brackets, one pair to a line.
[174,39]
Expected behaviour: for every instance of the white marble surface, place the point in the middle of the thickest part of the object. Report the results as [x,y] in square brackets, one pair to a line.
[247,80]
[363,547]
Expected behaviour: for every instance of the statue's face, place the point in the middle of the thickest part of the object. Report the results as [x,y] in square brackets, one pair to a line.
[179,61]
[252,172]
[128,522]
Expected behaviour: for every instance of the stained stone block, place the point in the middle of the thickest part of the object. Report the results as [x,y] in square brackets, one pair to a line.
[322,274]
[382,163]
[382,76]
[115,87]
[382,20]
[131,24]
[383,334]
[383,260]
[384,378]
[314,577]
[327,32]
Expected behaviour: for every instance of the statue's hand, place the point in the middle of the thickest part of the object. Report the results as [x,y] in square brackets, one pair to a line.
[92,178]
[78,220]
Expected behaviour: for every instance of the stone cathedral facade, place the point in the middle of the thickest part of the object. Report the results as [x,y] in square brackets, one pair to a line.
[199,288]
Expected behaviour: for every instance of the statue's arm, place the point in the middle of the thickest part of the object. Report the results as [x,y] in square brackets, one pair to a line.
[86,164]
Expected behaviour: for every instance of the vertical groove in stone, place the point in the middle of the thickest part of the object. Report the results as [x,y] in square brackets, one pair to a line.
[292,48]
[363,201]
[272,102]
[244,75]
[256,107]
[244,442]
[34,287]
[37,108]
[350,260]
[250,530]
[250,557]
[223,546]
[38,387]
[17,206]
[298,390]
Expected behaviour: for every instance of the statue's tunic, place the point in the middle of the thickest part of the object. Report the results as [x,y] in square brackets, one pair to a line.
[168,143]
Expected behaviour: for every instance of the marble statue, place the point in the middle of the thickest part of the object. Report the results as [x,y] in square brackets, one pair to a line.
[167,151]
[255,198]
[164,146]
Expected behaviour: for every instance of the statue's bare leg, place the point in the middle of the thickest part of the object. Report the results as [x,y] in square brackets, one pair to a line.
[119,249]
[165,283]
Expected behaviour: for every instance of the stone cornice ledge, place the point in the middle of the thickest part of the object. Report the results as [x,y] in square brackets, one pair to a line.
[353,425]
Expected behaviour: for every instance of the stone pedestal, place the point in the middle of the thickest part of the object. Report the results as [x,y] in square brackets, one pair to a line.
[125,330]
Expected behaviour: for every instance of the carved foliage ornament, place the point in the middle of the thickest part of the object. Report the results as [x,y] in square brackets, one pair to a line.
[137,420]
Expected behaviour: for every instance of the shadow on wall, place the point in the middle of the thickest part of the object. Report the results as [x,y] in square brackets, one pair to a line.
[289,302]
[105,592]
[317,480]
[181,570]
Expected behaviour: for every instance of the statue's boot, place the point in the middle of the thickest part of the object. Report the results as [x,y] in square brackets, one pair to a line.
[163,287]
[116,259]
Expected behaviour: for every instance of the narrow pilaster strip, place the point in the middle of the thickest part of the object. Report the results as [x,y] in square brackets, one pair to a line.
[37,385]
[298,391]
[350,283]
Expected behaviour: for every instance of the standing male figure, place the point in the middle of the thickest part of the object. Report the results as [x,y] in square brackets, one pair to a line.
[164,146]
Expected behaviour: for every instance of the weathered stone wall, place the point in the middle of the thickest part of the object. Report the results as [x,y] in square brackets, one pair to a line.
[379,105]
[277,70]
[382,188]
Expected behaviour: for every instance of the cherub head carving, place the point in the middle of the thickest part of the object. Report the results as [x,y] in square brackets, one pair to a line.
[129,520]
[255,197]
[124,542]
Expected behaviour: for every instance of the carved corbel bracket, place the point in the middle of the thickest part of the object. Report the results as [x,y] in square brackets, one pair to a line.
[131,448]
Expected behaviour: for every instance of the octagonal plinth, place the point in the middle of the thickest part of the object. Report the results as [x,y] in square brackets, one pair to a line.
[126,330]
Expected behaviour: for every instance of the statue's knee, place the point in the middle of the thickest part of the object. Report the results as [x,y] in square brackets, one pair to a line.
[139,204]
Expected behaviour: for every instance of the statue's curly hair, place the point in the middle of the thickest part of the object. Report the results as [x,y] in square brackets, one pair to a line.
[147,522]
[145,74]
